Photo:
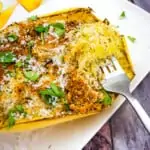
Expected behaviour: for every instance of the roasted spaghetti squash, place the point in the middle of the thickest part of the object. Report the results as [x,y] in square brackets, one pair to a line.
[49,68]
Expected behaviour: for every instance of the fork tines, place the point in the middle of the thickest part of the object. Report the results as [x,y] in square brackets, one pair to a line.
[110,66]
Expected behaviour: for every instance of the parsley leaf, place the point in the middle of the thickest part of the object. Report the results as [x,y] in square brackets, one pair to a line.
[11,120]
[19,108]
[107,100]
[123,15]
[132,39]
[12,37]
[49,99]
[33,18]
[11,113]
[47,92]
[59,28]
[59,32]
[57,90]
[50,95]
[31,75]
[41,29]
[58,25]
[7,57]
[30,45]
[19,64]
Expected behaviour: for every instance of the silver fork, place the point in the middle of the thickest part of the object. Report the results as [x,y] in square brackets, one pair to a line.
[117,81]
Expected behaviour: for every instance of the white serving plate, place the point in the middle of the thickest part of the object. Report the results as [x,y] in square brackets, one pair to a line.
[74,135]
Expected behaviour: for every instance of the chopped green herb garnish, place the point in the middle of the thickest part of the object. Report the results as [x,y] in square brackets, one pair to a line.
[53,91]
[19,108]
[59,28]
[11,120]
[59,32]
[122,15]
[28,58]
[46,29]
[57,90]
[49,99]
[66,106]
[19,64]
[50,95]
[25,114]
[7,57]
[26,61]
[41,29]
[107,100]
[33,18]
[47,92]
[30,46]
[132,39]
[11,114]
[58,25]
[12,37]
[31,75]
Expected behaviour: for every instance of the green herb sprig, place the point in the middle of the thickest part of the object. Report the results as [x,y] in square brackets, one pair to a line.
[132,39]
[41,30]
[30,45]
[11,113]
[33,18]
[51,94]
[107,100]
[123,15]
[7,57]
[59,28]
[12,37]
[31,75]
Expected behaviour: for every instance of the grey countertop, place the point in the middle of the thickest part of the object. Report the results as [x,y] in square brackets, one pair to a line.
[145,4]
[124,131]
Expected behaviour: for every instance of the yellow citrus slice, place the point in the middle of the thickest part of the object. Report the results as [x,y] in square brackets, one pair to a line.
[5,14]
[30,5]
[1,6]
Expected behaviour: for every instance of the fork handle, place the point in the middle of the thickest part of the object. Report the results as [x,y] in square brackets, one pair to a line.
[145,119]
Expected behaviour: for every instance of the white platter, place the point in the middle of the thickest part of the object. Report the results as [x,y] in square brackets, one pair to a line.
[74,135]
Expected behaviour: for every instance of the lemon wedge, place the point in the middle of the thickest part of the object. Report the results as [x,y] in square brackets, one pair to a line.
[5,14]
[30,5]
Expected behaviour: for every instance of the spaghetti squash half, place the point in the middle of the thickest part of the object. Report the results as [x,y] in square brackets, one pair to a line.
[50,68]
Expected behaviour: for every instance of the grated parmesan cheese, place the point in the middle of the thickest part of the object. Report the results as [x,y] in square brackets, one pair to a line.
[44,112]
